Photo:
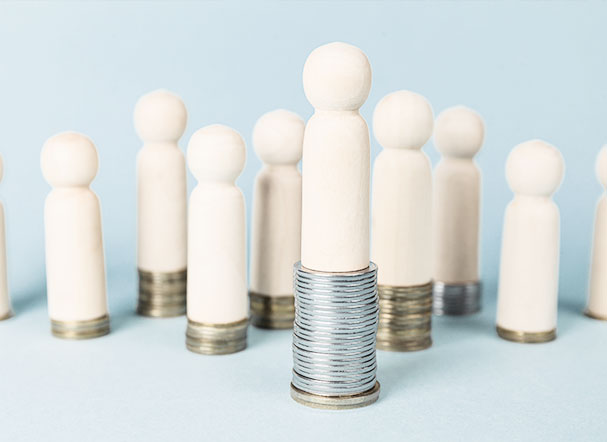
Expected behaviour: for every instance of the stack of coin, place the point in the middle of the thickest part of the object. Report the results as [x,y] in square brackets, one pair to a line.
[86,329]
[334,358]
[272,312]
[216,339]
[456,299]
[405,316]
[526,337]
[162,294]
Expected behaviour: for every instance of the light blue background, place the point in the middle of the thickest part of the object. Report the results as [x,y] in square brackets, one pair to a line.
[531,69]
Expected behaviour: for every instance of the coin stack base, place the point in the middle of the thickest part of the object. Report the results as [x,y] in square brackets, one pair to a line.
[405,318]
[162,294]
[216,339]
[453,299]
[526,337]
[272,312]
[7,315]
[344,402]
[92,328]
[594,315]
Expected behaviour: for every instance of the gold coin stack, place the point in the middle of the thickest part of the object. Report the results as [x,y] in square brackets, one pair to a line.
[526,337]
[88,329]
[405,317]
[216,339]
[162,294]
[272,312]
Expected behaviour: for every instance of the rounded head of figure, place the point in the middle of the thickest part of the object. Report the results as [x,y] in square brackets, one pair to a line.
[69,159]
[601,166]
[534,168]
[216,153]
[403,120]
[160,116]
[459,132]
[278,137]
[337,76]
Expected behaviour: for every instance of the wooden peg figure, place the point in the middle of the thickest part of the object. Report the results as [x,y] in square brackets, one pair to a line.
[6,310]
[529,268]
[217,286]
[336,161]
[335,271]
[401,223]
[160,119]
[597,297]
[276,227]
[458,136]
[75,267]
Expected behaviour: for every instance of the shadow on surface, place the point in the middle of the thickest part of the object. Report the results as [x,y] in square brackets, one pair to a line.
[260,337]
[122,303]
[572,306]
[121,317]
[568,311]
[28,299]
[452,329]
[401,370]
[397,371]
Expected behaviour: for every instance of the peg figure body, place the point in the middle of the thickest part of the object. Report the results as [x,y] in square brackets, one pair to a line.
[276,224]
[335,270]
[160,119]
[458,135]
[217,286]
[597,297]
[529,268]
[336,161]
[401,222]
[75,267]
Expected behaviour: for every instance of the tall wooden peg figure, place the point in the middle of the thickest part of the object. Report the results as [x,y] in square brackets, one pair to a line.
[458,135]
[401,221]
[276,228]
[217,286]
[5,302]
[529,269]
[335,283]
[160,119]
[597,297]
[75,265]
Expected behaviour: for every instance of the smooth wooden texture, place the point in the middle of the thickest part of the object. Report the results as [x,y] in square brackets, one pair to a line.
[276,224]
[597,297]
[336,161]
[160,119]
[217,286]
[402,191]
[458,135]
[75,267]
[529,270]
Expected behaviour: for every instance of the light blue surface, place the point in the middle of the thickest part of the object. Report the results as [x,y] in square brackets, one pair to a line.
[532,69]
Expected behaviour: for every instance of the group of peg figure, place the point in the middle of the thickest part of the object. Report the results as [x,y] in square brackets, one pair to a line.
[424,226]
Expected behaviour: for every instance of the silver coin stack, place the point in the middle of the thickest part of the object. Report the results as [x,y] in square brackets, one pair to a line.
[334,338]
[162,294]
[456,299]
[405,318]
